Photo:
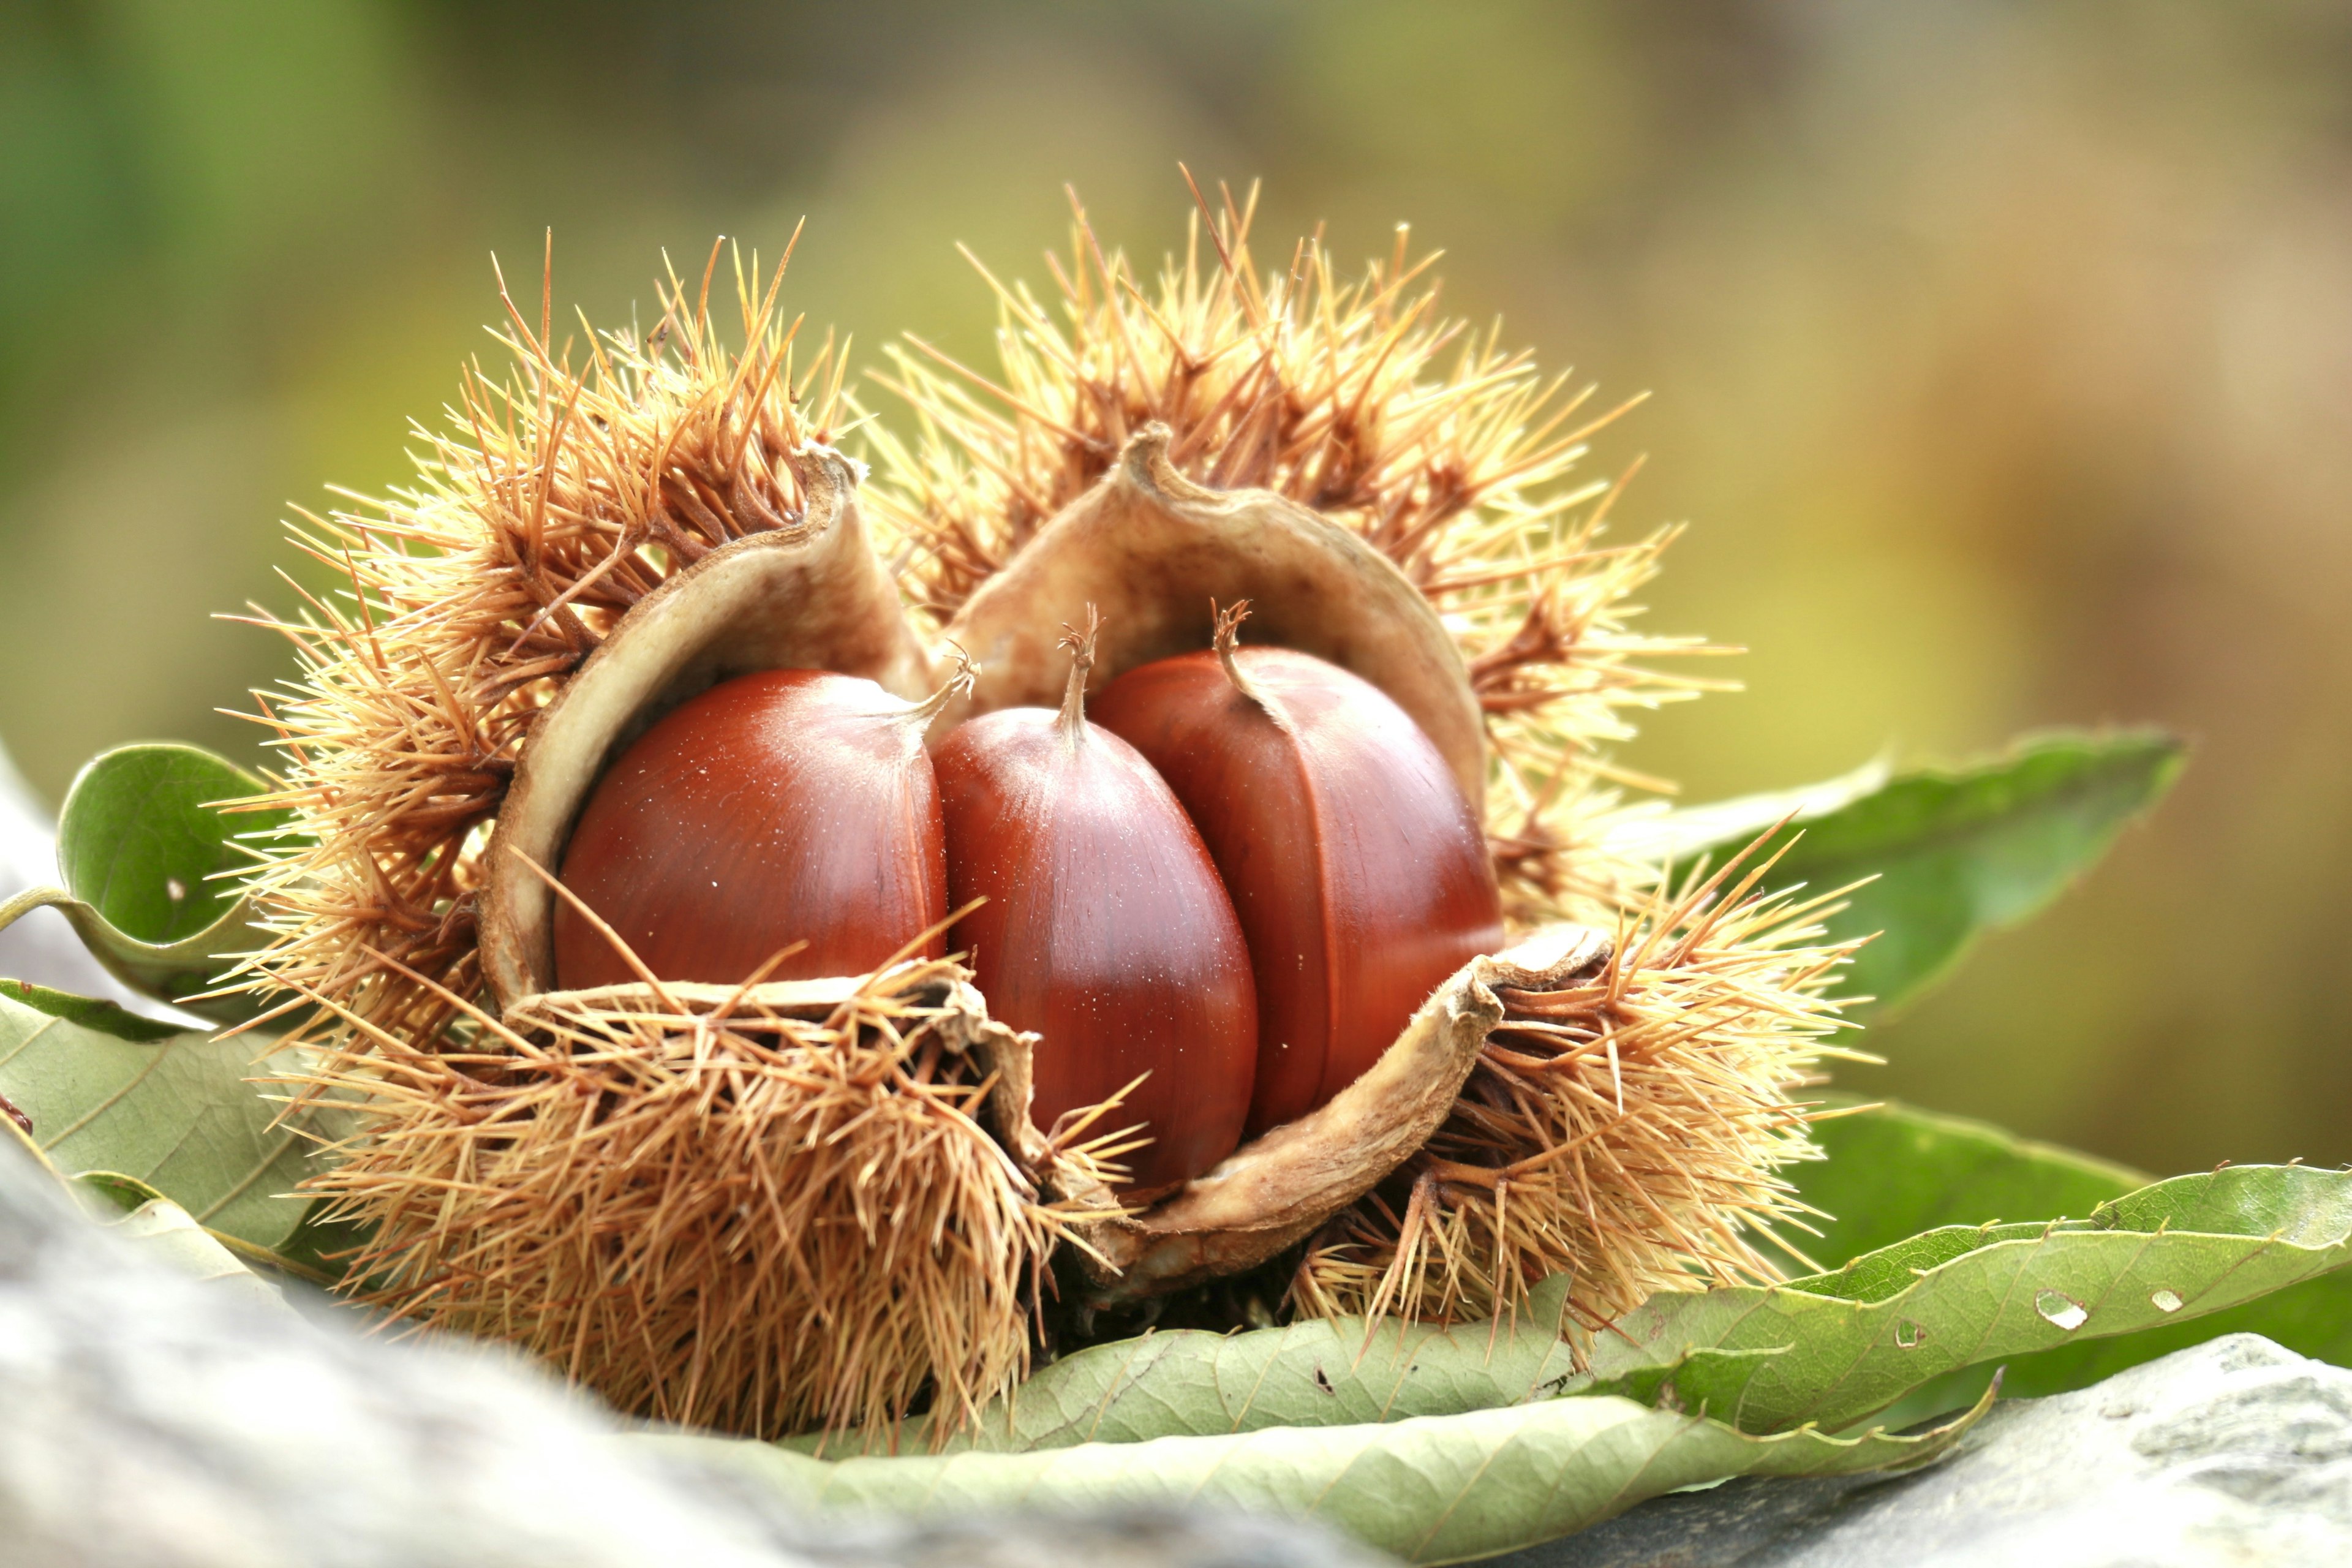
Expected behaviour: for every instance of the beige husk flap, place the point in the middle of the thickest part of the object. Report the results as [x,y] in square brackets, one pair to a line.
[1273,1192]
[1149,549]
[811,596]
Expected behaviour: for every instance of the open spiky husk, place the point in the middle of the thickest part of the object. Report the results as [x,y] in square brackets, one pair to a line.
[758,1209]
[562,498]
[1627,1130]
[1449,453]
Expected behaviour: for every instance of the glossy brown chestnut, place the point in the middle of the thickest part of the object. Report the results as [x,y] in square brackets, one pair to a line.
[1106,930]
[781,806]
[1358,871]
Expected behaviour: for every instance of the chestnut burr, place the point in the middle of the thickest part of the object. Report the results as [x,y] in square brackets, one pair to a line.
[789,805]
[1105,930]
[1356,866]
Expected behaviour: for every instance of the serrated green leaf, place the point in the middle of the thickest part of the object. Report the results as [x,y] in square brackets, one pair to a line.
[1853,1342]
[1956,853]
[104,1092]
[151,871]
[1832,1349]
[1431,1489]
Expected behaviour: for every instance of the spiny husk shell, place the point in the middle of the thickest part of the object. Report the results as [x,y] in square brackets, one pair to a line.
[548,1178]
[752,600]
[811,595]
[1356,399]
[1623,1127]
[759,1209]
[552,503]
[1151,549]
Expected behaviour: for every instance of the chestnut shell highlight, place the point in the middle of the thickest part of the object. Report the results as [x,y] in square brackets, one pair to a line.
[790,806]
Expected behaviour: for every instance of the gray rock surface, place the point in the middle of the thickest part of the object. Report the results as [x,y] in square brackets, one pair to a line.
[2230,1452]
[150,1419]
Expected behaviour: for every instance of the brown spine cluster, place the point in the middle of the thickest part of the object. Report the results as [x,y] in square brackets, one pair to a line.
[560,498]
[804,1219]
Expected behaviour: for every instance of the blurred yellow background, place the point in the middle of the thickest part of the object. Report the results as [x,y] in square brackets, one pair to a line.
[2002,354]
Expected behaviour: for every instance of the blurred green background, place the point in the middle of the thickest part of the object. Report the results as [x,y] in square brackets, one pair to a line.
[2002,353]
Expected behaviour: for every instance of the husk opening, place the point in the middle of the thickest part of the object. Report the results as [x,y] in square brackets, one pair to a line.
[812,596]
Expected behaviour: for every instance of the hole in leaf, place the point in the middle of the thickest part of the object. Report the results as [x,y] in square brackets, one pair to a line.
[1909,1335]
[2165,1302]
[2061,1310]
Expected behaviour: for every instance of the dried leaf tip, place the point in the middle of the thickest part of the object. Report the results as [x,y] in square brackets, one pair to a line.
[1229,642]
[959,684]
[1081,645]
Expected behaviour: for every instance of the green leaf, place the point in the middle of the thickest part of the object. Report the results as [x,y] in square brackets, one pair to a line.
[1853,1342]
[1321,1372]
[1429,1489]
[106,1092]
[1894,1171]
[153,870]
[1955,853]
[1830,1349]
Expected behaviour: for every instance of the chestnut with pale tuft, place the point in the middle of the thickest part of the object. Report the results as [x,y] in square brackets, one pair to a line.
[1105,929]
[1354,862]
[769,601]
